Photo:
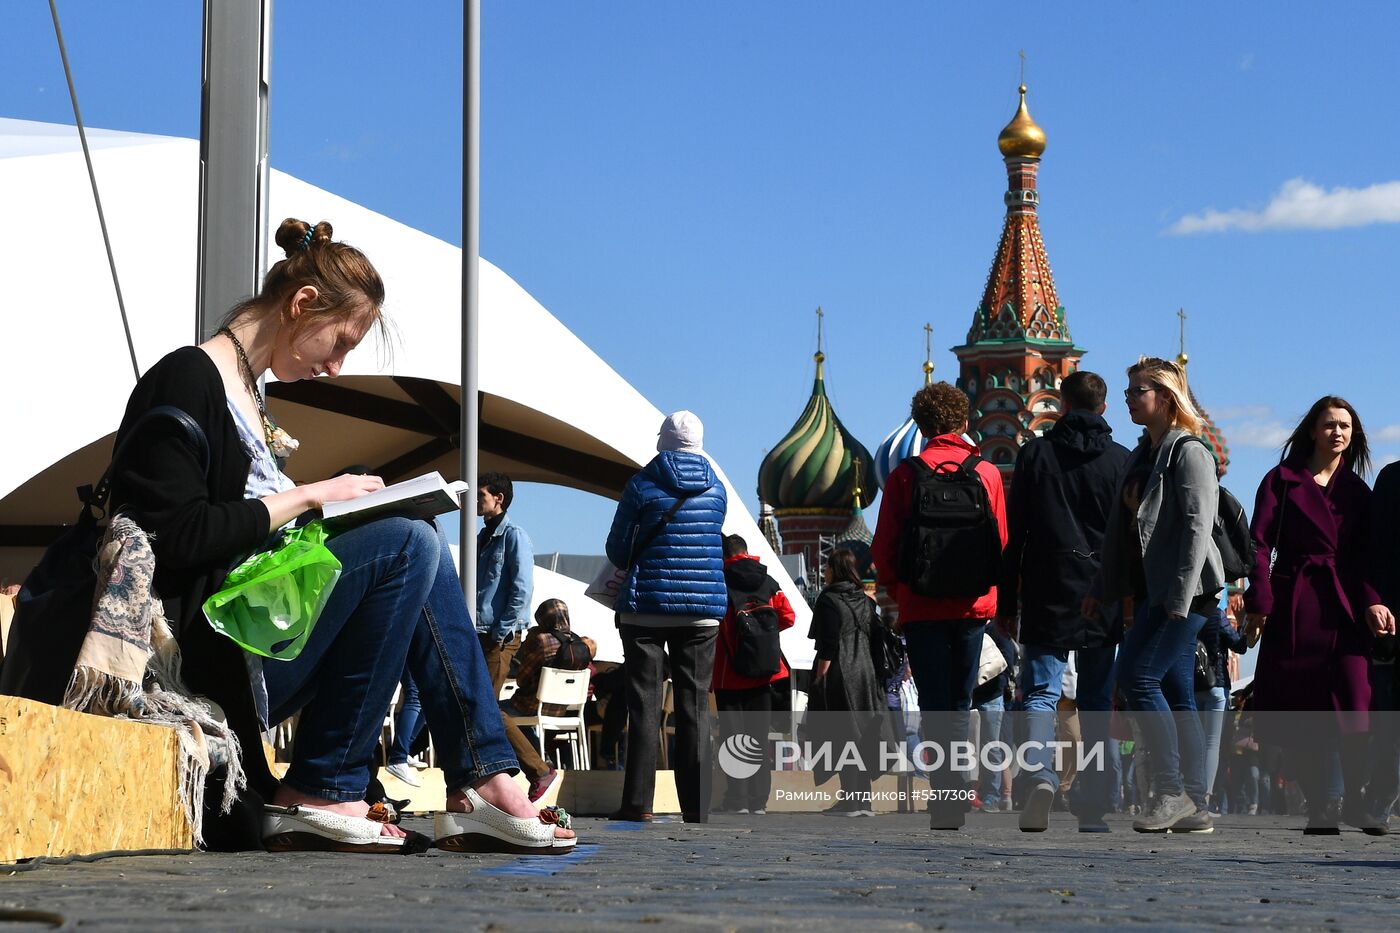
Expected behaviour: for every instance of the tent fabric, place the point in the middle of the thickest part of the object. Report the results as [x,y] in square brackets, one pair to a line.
[65,374]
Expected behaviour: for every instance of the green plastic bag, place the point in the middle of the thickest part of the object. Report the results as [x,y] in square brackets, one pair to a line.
[271,601]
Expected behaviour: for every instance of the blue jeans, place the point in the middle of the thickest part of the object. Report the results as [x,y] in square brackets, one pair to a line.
[990,715]
[397,600]
[1156,670]
[408,723]
[1042,676]
[1210,705]
[943,656]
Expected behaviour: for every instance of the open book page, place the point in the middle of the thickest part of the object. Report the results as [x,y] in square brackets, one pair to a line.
[423,496]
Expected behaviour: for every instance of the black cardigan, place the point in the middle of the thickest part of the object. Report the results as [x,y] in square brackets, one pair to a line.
[200,528]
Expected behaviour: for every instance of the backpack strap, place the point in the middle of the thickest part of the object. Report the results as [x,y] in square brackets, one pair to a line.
[96,496]
[969,466]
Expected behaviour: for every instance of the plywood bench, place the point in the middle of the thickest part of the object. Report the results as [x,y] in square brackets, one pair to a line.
[73,783]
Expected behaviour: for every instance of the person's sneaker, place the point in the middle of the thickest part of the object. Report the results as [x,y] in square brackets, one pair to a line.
[1253,809]
[743,810]
[1368,823]
[416,762]
[1165,811]
[1005,806]
[1093,824]
[404,773]
[1035,818]
[1198,822]
[839,808]
[540,787]
[861,812]
[759,811]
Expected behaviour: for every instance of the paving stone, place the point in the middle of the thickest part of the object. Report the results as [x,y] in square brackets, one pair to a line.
[783,871]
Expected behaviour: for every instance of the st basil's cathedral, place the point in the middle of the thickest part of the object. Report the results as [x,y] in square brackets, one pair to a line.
[815,482]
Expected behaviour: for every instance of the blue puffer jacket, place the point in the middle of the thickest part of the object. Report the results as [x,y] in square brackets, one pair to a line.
[682,571]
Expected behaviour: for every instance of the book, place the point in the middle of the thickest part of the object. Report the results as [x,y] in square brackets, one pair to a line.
[424,496]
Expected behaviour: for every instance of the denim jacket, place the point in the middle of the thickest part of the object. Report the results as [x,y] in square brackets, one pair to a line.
[505,575]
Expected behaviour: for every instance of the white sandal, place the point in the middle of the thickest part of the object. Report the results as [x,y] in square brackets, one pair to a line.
[489,829]
[304,829]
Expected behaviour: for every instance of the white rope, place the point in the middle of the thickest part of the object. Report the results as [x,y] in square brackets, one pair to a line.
[92,177]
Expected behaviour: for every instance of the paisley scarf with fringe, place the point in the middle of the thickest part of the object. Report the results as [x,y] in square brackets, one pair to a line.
[129,668]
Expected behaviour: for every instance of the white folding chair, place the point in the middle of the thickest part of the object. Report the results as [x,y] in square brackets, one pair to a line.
[508,689]
[567,690]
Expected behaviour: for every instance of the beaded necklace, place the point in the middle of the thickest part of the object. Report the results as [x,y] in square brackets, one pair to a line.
[279,442]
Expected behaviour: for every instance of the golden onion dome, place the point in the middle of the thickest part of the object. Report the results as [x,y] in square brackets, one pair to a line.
[1022,137]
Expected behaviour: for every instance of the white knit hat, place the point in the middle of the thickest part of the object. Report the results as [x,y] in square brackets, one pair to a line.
[681,431]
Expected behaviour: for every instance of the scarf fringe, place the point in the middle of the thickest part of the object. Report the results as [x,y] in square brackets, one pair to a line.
[205,741]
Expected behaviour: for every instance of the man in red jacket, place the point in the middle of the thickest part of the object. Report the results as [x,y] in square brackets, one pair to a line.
[943,634]
[749,586]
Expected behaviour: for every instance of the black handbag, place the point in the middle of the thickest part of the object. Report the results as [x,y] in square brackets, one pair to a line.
[53,611]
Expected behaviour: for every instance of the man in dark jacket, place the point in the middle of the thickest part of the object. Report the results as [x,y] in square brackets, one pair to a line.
[747,698]
[1062,494]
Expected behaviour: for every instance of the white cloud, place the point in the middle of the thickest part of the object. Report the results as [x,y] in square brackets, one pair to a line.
[1389,434]
[1254,432]
[1302,205]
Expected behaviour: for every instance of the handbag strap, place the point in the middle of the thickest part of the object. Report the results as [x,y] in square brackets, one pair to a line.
[96,496]
[656,529]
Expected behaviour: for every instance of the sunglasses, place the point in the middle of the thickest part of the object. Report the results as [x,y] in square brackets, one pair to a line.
[1138,391]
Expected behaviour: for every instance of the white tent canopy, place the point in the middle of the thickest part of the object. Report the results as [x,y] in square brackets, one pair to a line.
[552,410]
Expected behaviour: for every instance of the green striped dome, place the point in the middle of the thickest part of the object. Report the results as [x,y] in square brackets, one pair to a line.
[813,467]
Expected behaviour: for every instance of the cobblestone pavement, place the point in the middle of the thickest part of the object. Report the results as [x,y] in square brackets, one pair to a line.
[745,872]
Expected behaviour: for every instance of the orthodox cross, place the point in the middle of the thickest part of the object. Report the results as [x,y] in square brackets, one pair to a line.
[1023,66]
[820,314]
[1181,316]
[928,353]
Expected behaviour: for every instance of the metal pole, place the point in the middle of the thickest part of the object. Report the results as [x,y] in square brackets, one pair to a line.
[233,133]
[471,250]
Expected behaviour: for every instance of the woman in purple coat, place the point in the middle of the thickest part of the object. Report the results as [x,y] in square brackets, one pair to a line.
[1309,584]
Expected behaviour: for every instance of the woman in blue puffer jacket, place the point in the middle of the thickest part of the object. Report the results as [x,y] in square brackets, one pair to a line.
[668,533]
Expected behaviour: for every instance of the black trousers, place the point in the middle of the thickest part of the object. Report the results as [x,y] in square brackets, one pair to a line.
[692,656]
[750,712]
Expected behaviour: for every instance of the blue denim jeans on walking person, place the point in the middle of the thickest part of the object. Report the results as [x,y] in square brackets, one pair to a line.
[398,600]
[1210,706]
[408,722]
[943,656]
[1042,677]
[1156,670]
[990,786]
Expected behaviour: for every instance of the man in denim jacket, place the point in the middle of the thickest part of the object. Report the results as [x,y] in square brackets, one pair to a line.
[505,573]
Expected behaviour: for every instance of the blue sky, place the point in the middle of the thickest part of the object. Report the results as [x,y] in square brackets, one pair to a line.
[682,184]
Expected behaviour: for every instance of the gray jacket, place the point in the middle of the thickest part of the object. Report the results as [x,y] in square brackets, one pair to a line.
[1180,562]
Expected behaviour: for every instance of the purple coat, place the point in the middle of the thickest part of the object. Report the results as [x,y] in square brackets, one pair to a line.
[1315,650]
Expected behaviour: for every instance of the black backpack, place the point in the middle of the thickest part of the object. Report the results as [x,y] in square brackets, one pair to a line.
[1231,533]
[572,654]
[755,651]
[951,546]
[886,651]
[1205,668]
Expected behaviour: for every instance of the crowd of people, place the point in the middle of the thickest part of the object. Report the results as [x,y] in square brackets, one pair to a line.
[1107,581]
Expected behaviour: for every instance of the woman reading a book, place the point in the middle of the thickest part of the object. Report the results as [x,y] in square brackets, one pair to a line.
[397,601]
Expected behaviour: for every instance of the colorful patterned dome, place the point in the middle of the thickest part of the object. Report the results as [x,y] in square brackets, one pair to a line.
[1214,438]
[899,445]
[814,466]
[904,441]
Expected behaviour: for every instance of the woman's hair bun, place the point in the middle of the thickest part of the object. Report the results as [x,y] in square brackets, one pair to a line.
[296,235]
